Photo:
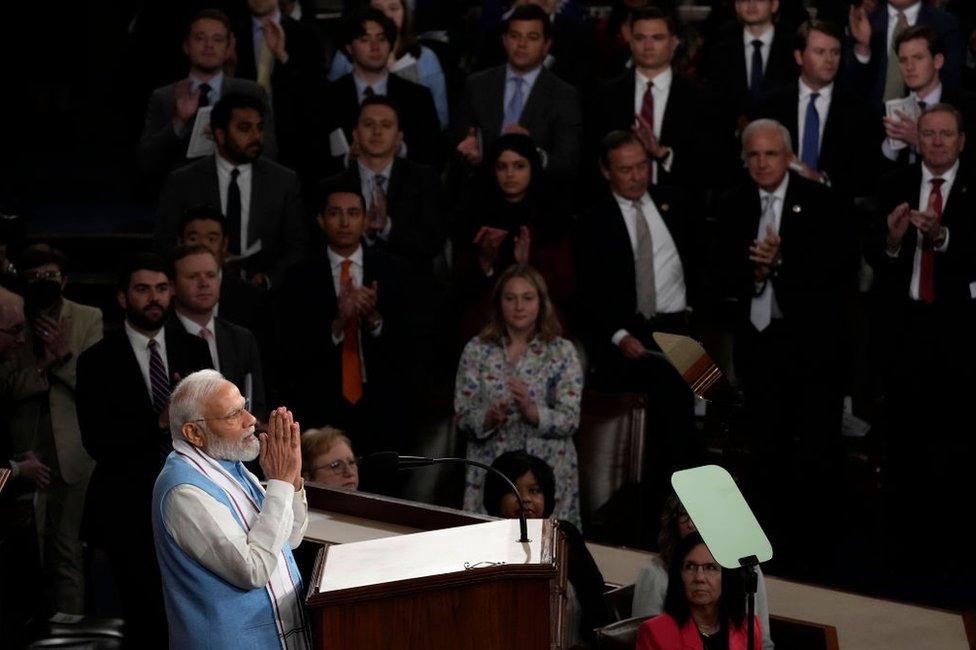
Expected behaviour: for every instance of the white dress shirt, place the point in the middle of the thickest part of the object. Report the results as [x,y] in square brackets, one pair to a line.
[925,191]
[779,199]
[194,328]
[207,531]
[660,91]
[224,169]
[767,42]
[356,275]
[669,277]
[823,108]
[888,147]
[140,345]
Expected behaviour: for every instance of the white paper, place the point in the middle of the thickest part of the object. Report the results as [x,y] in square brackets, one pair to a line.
[908,106]
[201,142]
[338,144]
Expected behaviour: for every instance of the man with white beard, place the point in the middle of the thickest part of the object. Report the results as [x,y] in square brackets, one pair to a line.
[224,542]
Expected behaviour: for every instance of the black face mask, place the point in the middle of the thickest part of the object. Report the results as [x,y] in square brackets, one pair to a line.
[42,295]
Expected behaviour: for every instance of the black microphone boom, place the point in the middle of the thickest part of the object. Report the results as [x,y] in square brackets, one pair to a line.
[393,461]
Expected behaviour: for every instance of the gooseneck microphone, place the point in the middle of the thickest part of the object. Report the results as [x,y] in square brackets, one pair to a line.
[390,460]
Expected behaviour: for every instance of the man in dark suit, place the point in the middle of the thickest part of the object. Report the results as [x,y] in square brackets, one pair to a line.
[638,248]
[523,97]
[122,389]
[233,349]
[834,133]
[343,353]
[749,57]
[172,108]
[240,301]
[921,59]
[870,64]
[676,113]
[285,57]
[785,258]
[368,38]
[925,265]
[260,199]
[402,197]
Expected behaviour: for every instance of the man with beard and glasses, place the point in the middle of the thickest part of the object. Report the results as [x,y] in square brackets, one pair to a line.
[122,391]
[260,199]
[224,543]
[40,377]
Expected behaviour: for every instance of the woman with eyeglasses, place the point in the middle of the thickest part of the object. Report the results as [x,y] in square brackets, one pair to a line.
[704,607]
[651,587]
[327,458]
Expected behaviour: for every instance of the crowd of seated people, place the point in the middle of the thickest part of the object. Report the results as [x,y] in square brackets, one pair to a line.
[511,220]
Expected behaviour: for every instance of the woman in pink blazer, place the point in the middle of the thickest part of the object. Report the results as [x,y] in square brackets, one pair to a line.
[704,608]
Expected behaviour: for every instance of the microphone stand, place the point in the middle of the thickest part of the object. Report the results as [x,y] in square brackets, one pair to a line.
[413,462]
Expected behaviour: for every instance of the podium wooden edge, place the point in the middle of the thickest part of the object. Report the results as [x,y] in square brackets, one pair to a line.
[545,568]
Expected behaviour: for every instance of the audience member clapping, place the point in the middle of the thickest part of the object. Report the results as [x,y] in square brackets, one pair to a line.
[519,386]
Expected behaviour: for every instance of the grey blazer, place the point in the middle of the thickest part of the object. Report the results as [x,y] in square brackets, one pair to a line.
[276,215]
[551,114]
[161,150]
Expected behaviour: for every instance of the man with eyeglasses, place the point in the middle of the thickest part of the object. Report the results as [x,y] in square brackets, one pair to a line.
[208,44]
[223,541]
[44,424]
[122,395]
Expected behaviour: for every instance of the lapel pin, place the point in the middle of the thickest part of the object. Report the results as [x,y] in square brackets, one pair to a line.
[665,207]
[797,209]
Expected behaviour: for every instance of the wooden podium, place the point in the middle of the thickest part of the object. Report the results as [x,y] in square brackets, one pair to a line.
[471,587]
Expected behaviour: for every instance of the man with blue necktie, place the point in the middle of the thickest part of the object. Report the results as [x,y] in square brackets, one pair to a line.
[523,97]
[833,132]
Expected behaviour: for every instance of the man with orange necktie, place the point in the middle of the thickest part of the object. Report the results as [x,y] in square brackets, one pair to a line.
[926,278]
[343,353]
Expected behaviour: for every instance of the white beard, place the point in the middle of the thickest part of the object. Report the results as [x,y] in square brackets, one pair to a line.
[245,450]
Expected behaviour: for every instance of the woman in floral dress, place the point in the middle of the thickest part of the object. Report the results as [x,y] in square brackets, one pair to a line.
[518,388]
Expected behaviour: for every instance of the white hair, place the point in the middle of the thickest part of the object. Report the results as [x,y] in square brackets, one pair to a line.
[186,403]
[765,124]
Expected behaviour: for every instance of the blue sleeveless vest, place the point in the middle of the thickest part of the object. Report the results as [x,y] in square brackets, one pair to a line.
[205,611]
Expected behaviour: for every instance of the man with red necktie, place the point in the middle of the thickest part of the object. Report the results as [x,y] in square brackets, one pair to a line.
[926,279]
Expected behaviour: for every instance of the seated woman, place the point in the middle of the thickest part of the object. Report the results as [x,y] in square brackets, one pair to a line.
[408,59]
[652,581]
[327,458]
[536,483]
[519,386]
[512,220]
[704,608]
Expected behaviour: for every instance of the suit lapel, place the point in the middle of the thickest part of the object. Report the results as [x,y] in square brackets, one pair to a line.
[675,103]
[960,189]
[211,182]
[495,98]
[129,367]
[225,348]
[537,97]
[624,100]
[835,120]
[258,208]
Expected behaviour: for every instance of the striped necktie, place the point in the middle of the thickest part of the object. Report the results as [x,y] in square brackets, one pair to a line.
[158,381]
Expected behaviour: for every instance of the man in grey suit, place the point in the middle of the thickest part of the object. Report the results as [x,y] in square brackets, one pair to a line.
[172,108]
[233,348]
[260,199]
[522,96]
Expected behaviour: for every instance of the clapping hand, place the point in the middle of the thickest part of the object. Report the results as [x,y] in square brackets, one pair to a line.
[860,28]
[31,467]
[523,245]
[523,401]
[898,222]
[904,128]
[765,253]
[274,36]
[645,133]
[281,449]
[496,415]
[469,147]
[51,333]
[187,102]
